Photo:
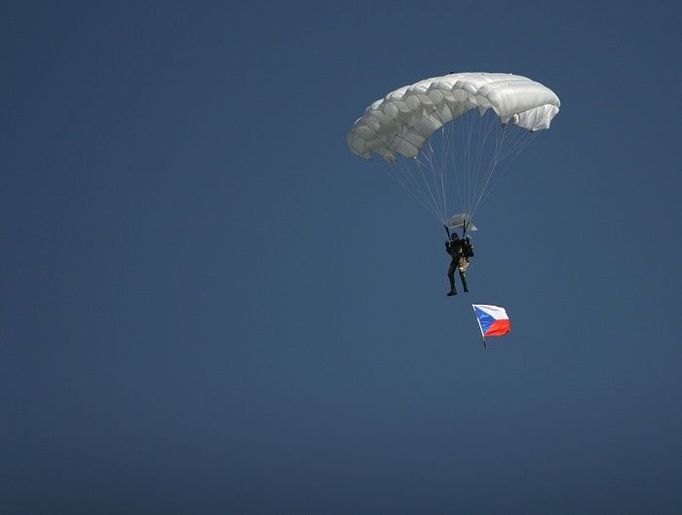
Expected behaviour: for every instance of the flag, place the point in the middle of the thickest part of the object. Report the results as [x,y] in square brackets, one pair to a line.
[493,320]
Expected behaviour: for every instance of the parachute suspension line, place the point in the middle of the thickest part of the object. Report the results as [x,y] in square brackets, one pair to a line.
[459,156]
[450,157]
[438,173]
[421,187]
[411,184]
[493,165]
[511,142]
[440,178]
[517,143]
[423,167]
[480,132]
[486,130]
[499,153]
[444,161]
[424,184]
[470,154]
[413,175]
[470,126]
[450,179]
[473,134]
[453,159]
[397,172]
[464,166]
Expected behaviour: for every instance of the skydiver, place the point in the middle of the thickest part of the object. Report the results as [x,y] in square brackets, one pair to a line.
[460,251]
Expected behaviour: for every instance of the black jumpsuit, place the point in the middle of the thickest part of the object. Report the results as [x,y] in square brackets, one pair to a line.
[455,248]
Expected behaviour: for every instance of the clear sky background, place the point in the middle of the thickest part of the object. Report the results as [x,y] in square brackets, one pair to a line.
[209,305]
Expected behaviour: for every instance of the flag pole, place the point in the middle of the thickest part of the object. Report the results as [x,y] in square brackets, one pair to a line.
[480,327]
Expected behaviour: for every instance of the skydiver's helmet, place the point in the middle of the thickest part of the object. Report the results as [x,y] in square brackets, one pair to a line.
[454,237]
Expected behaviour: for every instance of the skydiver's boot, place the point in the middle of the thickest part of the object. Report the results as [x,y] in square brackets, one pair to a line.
[464,281]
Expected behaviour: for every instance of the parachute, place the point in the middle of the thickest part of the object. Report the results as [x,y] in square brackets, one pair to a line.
[445,137]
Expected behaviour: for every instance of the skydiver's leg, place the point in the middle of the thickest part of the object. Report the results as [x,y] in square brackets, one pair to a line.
[463,264]
[451,278]
[463,277]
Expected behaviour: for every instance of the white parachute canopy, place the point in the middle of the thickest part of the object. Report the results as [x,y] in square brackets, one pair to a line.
[481,119]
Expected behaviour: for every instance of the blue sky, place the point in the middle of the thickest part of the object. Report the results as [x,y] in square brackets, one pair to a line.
[211,306]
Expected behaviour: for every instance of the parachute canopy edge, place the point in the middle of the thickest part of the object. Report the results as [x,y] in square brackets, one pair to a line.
[405,118]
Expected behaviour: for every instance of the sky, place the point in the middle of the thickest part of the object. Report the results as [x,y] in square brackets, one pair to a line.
[209,305]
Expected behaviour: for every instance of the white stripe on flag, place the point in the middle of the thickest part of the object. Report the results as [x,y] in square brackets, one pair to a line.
[497,312]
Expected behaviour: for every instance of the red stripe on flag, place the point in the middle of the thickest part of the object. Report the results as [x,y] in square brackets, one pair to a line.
[499,328]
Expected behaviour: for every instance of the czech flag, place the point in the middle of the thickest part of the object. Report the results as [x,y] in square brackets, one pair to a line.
[493,320]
